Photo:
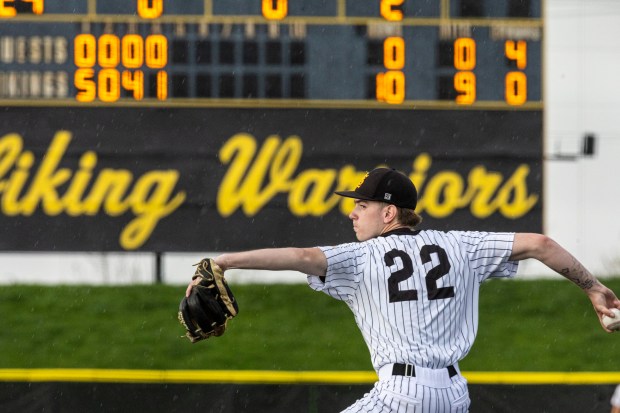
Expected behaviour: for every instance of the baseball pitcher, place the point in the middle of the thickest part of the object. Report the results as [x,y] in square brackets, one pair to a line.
[414,294]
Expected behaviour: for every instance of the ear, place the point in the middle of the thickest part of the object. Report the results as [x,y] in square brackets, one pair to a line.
[390,213]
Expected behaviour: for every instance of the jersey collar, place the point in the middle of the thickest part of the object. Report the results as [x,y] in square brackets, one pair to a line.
[401,231]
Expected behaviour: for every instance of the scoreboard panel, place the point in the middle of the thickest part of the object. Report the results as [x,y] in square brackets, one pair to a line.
[345,53]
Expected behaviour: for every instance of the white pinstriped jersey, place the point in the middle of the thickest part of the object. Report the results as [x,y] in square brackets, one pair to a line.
[414,294]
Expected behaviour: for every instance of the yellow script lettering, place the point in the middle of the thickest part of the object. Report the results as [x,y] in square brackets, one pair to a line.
[150,197]
[486,192]
[243,184]
[255,176]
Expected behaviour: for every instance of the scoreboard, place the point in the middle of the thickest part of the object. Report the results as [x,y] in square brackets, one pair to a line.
[342,53]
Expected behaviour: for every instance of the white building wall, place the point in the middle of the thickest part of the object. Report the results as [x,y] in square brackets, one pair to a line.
[582,95]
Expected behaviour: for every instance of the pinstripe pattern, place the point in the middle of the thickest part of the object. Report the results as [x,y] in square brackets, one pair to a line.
[402,394]
[435,329]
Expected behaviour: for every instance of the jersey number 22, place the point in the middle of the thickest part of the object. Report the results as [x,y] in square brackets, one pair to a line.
[435,273]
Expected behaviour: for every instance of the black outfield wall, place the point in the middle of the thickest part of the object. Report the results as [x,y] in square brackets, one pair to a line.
[70,397]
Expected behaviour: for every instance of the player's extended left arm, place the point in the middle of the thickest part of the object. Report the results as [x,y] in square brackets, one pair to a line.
[306,260]
[554,256]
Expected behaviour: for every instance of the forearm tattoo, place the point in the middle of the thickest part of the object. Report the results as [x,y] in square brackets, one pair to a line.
[579,275]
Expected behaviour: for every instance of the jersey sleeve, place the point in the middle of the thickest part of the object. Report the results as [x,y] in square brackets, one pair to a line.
[489,254]
[344,266]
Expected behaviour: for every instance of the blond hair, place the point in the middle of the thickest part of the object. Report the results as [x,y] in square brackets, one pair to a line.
[408,217]
[405,216]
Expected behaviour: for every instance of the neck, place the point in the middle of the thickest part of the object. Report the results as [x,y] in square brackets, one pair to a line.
[392,226]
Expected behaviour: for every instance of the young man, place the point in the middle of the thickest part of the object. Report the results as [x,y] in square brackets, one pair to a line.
[414,294]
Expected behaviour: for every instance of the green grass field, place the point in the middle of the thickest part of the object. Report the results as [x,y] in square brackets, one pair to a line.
[524,326]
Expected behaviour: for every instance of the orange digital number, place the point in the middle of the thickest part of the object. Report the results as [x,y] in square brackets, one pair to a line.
[394,53]
[6,10]
[134,81]
[464,53]
[83,81]
[390,10]
[109,51]
[390,87]
[465,85]
[516,88]
[516,51]
[37,6]
[109,85]
[156,51]
[85,50]
[132,51]
[162,85]
[275,9]
[380,87]
[150,9]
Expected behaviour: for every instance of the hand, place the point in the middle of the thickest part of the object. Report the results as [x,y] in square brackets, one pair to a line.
[191,285]
[603,300]
[196,281]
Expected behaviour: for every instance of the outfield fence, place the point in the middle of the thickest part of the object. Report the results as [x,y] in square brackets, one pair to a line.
[97,390]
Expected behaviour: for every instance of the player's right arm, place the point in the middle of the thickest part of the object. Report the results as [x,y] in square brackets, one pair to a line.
[554,256]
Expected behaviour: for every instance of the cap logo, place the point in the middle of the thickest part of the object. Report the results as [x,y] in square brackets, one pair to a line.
[387,196]
[362,181]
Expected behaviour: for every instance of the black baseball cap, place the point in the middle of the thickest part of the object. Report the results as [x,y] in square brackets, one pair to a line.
[385,185]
